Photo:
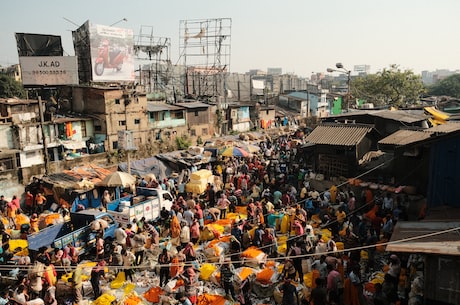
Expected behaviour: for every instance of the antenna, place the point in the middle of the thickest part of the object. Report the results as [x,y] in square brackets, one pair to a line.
[70,21]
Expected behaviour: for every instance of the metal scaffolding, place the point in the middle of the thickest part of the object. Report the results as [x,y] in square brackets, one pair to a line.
[155,74]
[205,47]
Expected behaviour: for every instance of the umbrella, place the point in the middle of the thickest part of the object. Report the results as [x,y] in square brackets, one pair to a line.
[251,148]
[118,179]
[234,152]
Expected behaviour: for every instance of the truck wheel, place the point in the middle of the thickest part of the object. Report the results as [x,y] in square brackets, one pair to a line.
[108,245]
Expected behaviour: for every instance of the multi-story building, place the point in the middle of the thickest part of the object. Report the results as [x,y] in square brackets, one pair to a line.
[114,109]
[33,136]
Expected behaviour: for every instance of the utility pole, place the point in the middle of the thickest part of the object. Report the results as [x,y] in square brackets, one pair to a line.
[45,146]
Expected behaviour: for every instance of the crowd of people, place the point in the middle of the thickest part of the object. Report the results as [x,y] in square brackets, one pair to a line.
[268,185]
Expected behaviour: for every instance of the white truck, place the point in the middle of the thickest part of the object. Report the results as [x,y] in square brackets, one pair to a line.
[147,203]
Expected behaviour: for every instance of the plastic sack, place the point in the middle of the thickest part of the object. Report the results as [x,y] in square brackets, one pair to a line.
[206,234]
[217,250]
[244,272]
[17,243]
[208,299]
[119,281]
[153,294]
[266,276]
[326,235]
[104,299]
[132,299]
[253,256]
[206,271]
[129,288]
[217,227]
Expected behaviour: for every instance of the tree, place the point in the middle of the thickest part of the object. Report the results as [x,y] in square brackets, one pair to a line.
[10,87]
[183,142]
[449,86]
[391,87]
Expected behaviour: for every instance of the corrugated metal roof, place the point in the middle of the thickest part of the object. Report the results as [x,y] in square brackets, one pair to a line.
[400,115]
[338,134]
[405,237]
[406,116]
[446,128]
[156,107]
[193,105]
[404,137]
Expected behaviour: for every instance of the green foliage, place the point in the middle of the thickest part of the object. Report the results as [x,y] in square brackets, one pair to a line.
[10,88]
[449,86]
[183,142]
[392,87]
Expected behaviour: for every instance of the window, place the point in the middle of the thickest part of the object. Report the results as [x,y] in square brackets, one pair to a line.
[267,112]
[117,101]
[204,131]
[196,112]
[192,132]
[177,115]
[97,128]
[121,123]
[115,145]
[137,121]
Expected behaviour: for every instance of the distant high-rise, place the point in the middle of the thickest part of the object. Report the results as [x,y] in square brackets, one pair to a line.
[274,71]
[362,69]
[432,77]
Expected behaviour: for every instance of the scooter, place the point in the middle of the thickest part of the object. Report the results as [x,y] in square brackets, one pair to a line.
[108,59]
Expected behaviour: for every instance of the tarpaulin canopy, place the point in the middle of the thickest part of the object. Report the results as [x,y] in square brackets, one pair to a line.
[147,166]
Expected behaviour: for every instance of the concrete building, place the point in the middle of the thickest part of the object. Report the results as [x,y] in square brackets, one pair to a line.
[114,109]
[199,118]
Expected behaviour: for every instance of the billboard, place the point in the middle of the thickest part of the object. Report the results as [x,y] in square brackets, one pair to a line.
[49,70]
[108,50]
[38,45]
[111,53]
[362,68]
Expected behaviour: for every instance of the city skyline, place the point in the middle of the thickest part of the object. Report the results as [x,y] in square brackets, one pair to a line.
[300,37]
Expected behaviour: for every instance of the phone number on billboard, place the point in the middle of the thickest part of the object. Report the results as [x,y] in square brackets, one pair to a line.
[50,72]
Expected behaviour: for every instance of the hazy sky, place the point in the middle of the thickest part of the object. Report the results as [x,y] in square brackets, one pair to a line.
[299,36]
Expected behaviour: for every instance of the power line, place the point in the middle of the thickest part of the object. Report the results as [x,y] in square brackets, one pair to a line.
[191,264]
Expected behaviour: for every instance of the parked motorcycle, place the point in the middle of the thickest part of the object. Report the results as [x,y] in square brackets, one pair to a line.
[107,59]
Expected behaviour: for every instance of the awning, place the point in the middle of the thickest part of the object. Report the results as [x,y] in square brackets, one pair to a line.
[74,144]
[426,237]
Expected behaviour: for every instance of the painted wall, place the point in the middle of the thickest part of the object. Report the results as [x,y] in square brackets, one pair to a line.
[32,157]
[166,121]
[5,133]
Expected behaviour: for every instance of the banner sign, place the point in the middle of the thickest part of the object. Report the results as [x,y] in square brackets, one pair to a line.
[49,70]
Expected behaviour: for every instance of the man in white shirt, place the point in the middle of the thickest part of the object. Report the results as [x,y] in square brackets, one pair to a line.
[120,236]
